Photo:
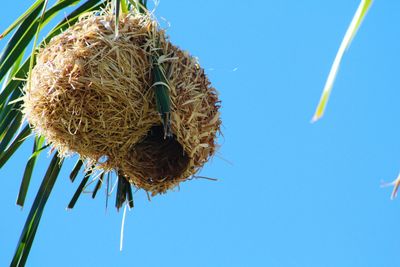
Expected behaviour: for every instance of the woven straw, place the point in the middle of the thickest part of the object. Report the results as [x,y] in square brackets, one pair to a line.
[91,93]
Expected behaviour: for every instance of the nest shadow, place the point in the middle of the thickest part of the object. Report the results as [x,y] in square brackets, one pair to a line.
[159,158]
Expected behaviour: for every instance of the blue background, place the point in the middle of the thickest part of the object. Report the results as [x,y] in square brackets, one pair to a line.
[289,193]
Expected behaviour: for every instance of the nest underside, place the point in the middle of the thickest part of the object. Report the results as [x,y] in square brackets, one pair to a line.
[91,93]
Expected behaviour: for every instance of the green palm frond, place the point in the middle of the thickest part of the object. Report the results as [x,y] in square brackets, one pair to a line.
[124,192]
[98,185]
[75,170]
[19,139]
[80,189]
[161,91]
[38,147]
[32,222]
[34,8]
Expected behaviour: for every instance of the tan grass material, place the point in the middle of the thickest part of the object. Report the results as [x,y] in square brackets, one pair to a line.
[91,93]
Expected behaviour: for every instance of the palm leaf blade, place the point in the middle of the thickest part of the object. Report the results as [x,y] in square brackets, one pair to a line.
[15,84]
[37,148]
[27,31]
[124,192]
[11,131]
[21,19]
[33,220]
[98,185]
[5,155]
[75,170]
[6,120]
[79,191]
[161,91]
[19,41]
[11,106]
[350,33]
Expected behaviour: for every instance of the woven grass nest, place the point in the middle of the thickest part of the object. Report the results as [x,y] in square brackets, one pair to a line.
[90,93]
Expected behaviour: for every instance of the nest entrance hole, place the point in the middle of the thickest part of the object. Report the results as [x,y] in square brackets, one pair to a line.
[160,158]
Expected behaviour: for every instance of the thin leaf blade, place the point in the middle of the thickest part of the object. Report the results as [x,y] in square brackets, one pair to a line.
[31,225]
[27,31]
[5,155]
[75,170]
[79,191]
[11,131]
[350,33]
[20,20]
[161,91]
[98,185]
[37,148]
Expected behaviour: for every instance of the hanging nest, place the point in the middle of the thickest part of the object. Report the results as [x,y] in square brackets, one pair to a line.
[91,93]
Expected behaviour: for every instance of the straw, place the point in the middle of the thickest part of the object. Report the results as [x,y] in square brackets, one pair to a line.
[91,94]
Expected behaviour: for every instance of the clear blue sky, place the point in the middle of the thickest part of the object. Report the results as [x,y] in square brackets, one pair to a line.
[294,193]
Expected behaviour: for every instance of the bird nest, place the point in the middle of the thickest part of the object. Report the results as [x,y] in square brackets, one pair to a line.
[91,93]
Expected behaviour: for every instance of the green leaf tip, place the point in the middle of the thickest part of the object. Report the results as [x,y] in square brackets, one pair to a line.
[80,189]
[358,17]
